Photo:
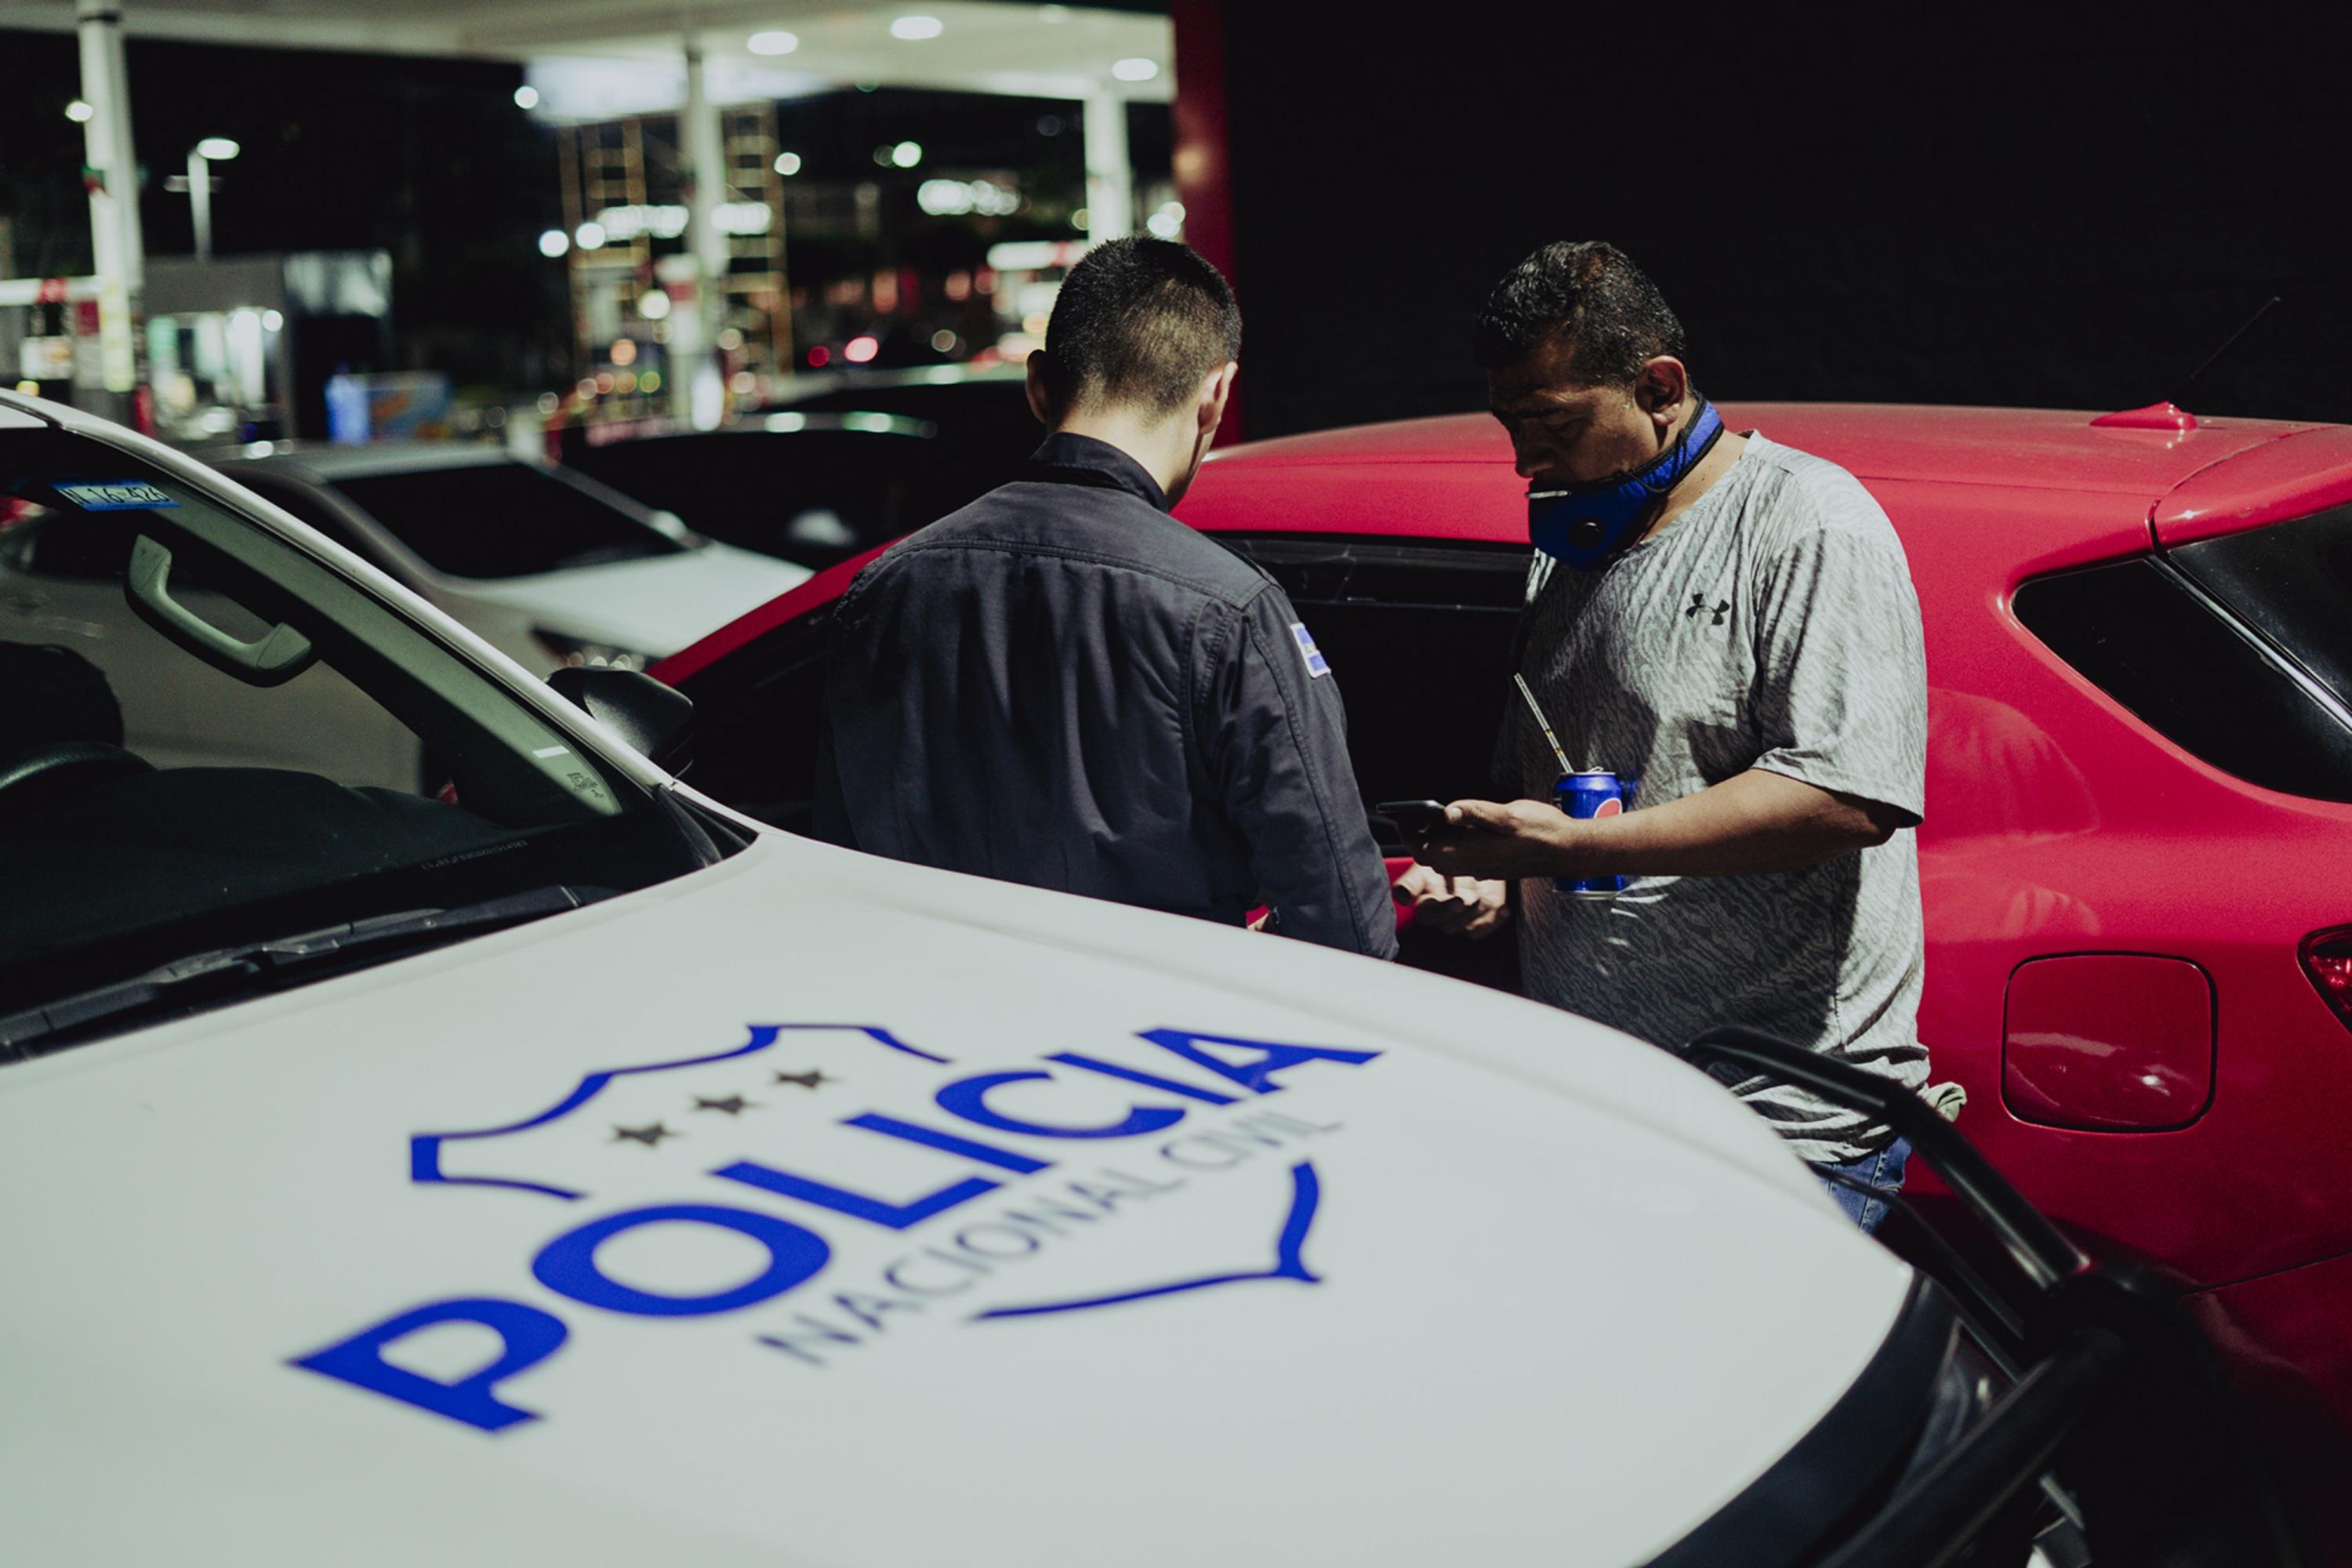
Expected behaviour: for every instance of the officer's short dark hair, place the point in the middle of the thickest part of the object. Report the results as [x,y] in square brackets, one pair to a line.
[1138,321]
[1588,292]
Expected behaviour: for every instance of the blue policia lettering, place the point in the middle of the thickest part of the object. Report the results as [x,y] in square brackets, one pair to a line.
[567,1265]
[527,1336]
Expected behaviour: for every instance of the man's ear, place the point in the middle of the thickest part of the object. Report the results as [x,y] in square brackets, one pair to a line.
[1041,400]
[1661,389]
[1214,391]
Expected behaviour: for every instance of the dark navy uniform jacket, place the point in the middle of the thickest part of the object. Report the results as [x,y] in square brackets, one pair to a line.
[1061,685]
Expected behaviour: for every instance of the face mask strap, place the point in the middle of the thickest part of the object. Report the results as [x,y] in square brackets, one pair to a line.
[1584,525]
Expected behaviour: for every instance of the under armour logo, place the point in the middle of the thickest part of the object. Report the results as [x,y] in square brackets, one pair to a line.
[1698,603]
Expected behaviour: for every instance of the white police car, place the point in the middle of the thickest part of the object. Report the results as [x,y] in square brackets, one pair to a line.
[563,1169]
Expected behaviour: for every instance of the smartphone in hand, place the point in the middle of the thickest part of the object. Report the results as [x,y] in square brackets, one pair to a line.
[1414,818]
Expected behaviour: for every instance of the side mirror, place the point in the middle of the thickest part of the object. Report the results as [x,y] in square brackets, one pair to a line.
[657,720]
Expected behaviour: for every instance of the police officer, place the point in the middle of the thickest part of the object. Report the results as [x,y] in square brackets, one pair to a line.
[1061,685]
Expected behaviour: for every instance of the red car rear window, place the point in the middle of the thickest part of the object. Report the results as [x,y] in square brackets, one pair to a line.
[2238,649]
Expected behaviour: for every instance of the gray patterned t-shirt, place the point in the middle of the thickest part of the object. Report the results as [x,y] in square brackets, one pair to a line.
[1773,624]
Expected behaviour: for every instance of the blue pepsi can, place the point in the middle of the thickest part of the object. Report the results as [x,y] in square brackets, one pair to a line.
[1584,796]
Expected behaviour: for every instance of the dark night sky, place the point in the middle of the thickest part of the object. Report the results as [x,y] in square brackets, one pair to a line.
[1974,213]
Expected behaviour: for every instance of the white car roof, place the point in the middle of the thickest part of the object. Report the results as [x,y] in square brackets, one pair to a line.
[328,461]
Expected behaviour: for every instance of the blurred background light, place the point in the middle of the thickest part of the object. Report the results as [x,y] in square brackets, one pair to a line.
[589,234]
[553,243]
[906,154]
[915,28]
[525,97]
[861,348]
[1135,68]
[943,198]
[80,113]
[773,43]
[219,149]
[788,162]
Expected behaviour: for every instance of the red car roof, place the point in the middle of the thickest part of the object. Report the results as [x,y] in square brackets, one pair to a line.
[2033,448]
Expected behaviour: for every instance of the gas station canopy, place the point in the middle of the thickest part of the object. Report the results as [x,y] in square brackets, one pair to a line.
[597,58]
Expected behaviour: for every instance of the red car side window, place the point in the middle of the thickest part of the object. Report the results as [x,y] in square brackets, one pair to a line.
[2183,664]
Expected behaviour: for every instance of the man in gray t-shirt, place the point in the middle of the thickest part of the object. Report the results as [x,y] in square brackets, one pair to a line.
[1744,639]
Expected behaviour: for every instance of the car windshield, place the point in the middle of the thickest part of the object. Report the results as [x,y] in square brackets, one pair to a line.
[210,737]
[2293,581]
[813,492]
[502,520]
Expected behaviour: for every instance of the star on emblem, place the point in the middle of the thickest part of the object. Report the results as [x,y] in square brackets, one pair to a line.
[809,1080]
[650,1135]
[733,1105]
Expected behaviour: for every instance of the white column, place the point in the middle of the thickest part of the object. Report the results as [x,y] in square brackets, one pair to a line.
[113,209]
[699,378]
[200,202]
[1110,177]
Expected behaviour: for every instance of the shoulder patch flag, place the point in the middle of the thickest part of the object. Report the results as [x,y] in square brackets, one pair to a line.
[1316,664]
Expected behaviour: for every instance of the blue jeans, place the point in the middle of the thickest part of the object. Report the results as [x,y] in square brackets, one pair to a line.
[1881,1173]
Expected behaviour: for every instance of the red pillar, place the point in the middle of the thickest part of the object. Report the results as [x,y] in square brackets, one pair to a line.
[1202,156]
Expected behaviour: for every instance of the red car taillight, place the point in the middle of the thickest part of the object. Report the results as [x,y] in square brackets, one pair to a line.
[2327,958]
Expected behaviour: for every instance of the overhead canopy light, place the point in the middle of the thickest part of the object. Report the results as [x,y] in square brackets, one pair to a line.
[773,43]
[915,28]
[219,149]
[1136,68]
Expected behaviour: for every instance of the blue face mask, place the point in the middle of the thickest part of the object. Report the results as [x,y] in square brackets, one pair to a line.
[1584,525]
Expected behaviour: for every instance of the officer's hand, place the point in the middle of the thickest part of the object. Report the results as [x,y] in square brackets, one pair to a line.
[1459,906]
[1503,838]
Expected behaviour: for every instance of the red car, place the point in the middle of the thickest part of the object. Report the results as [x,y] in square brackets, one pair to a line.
[2136,859]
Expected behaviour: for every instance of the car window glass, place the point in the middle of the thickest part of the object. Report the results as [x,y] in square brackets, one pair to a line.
[814,496]
[2203,681]
[757,717]
[75,549]
[501,520]
[1420,636]
[2293,581]
[306,503]
[226,736]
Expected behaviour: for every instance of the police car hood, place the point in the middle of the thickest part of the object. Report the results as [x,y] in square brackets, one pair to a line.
[814,1209]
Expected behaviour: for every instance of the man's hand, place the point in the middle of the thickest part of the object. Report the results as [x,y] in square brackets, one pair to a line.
[1755,822]
[1458,906]
[1485,838]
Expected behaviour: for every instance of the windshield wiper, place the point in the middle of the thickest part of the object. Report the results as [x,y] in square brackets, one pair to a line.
[265,965]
